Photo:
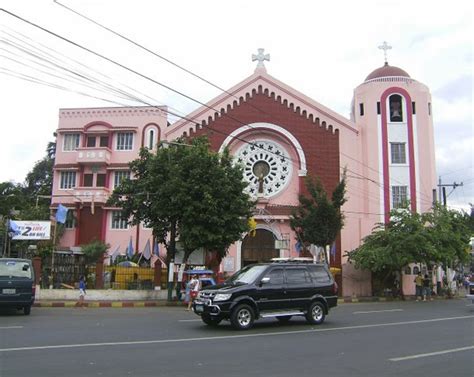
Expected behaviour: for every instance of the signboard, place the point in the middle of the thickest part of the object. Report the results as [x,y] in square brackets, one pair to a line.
[30,230]
[282,244]
[229,264]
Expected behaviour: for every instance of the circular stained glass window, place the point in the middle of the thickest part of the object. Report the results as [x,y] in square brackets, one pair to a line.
[267,167]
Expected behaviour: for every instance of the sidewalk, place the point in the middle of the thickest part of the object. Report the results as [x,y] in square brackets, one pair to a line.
[163,303]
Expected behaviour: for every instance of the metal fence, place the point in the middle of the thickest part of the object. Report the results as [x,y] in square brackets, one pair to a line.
[68,268]
[116,277]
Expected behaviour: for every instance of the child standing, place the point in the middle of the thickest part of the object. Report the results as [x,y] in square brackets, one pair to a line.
[82,291]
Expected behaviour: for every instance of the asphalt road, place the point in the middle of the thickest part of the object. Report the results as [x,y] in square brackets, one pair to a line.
[378,339]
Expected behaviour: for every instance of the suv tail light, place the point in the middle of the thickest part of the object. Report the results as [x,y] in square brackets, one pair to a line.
[334,288]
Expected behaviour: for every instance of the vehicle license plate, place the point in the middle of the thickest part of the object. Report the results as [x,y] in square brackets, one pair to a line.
[199,308]
[9,291]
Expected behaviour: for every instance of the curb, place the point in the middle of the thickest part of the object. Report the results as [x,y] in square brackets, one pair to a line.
[105,304]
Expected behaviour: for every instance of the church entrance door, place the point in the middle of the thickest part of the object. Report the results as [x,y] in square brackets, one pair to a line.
[260,248]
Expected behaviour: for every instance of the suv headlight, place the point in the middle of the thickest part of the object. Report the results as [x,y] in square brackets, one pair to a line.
[222,296]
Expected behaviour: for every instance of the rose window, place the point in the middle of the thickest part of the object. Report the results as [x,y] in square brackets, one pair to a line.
[267,167]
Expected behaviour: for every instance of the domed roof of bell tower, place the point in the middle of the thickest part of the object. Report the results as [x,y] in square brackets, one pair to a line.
[387,71]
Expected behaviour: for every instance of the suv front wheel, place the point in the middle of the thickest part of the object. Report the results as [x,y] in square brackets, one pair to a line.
[315,314]
[242,317]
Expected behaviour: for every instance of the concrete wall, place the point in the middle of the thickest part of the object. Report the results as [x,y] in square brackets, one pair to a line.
[99,295]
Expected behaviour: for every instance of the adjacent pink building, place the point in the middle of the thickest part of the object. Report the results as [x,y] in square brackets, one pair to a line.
[274,131]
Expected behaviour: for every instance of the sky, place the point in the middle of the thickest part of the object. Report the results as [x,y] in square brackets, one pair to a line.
[322,49]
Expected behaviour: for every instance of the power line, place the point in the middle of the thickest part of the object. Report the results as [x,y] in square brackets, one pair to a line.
[167,87]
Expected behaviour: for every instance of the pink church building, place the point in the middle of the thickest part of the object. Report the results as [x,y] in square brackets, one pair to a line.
[386,148]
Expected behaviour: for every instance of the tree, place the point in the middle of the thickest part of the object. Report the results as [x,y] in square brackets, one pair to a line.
[318,220]
[392,246]
[186,192]
[437,237]
[450,234]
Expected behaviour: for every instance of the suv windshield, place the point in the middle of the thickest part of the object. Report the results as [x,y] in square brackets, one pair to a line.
[17,269]
[246,275]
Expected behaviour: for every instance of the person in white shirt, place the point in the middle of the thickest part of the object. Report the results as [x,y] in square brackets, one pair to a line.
[195,285]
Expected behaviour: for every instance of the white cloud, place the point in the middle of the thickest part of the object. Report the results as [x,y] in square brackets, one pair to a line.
[323,49]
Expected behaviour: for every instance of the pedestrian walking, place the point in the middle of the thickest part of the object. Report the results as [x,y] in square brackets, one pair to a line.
[82,291]
[427,288]
[419,286]
[194,286]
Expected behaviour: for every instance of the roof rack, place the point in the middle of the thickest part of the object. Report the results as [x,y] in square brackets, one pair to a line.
[293,260]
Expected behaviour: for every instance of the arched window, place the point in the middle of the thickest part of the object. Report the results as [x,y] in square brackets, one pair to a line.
[407,270]
[416,270]
[396,108]
[151,139]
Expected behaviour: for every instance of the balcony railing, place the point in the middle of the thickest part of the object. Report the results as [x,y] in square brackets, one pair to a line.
[85,194]
[99,155]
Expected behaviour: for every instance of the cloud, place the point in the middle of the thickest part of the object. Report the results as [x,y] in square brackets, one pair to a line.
[457,89]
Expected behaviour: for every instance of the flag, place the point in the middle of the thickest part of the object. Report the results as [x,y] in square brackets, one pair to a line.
[298,247]
[13,228]
[115,254]
[153,260]
[333,250]
[61,214]
[130,249]
[146,253]
[156,249]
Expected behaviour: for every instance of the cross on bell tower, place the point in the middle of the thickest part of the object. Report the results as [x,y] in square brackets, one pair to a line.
[260,57]
[385,47]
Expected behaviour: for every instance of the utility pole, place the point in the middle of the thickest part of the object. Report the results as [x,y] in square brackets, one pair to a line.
[442,190]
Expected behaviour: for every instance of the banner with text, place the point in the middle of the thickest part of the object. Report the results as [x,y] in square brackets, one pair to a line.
[30,230]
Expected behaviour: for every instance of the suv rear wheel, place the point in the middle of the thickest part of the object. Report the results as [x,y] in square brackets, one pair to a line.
[242,317]
[26,310]
[315,314]
[211,320]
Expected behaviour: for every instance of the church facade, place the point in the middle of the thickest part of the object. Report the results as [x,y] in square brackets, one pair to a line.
[280,136]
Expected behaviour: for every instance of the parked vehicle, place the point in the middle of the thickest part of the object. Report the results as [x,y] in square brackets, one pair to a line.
[205,277]
[17,284]
[281,289]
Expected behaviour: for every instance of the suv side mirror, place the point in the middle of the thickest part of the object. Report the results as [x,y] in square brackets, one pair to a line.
[265,280]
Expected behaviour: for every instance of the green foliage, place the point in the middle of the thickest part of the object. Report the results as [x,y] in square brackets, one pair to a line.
[437,237]
[189,193]
[318,219]
[10,199]
[94,251]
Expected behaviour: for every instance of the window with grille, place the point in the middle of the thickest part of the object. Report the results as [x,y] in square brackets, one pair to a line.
[120,175]
[118,220]
[125,141]
[398,153]
[399,196]
[71,142]
[68,180]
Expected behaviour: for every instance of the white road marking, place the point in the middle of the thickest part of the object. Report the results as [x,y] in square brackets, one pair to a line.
[11,327]
[432,354]
[379,311]
[189,320]
[163,341]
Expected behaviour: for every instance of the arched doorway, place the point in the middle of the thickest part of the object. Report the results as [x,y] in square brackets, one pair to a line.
[260,248]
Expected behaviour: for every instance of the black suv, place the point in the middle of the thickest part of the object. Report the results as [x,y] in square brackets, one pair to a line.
[279,289]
